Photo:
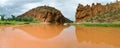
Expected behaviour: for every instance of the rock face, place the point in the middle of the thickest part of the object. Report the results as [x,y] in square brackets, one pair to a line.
[86,12]
[47,14]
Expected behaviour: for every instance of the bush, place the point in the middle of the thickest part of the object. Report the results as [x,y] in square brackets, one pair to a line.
[2,17]
[25,19]
[13,17]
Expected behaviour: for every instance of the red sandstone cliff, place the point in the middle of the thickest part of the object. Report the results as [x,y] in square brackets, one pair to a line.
[86,12]
[47,14]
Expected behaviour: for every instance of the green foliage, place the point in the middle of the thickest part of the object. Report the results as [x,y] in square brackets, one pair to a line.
[107,3]
[26,19]
[18,20]
[2,17]
[105,25]
[68,21]
[13,17]
[12,22]
[98,24]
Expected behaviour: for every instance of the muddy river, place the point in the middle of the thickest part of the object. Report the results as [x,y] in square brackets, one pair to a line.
[58,36]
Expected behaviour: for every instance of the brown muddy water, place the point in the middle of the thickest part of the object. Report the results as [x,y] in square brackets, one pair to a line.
[58,36]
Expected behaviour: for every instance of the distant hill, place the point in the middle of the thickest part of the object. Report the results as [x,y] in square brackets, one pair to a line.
[99,13]
[47,14]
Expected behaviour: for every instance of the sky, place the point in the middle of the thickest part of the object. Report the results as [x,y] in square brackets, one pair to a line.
[67,7]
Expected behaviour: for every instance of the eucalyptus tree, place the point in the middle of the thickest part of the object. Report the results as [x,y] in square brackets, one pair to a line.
[13,17]
[2,17]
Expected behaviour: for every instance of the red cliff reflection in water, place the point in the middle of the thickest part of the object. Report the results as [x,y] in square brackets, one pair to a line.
[98,37]
[37,36]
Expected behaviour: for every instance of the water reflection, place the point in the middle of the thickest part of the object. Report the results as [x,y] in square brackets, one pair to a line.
[42,31]
[26,36]
[58,36]
[98,37]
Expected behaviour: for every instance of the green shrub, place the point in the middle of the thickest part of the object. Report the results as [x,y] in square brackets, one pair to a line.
[13,17]
[2,17]
[26,19]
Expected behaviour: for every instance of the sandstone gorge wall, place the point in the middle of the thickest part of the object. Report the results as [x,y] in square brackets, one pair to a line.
[86,12]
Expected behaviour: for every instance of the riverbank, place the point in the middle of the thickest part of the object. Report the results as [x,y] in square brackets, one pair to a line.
[97,24]
[17,22]
[74,24]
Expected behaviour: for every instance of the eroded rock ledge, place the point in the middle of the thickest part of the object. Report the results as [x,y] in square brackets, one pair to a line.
[86,12]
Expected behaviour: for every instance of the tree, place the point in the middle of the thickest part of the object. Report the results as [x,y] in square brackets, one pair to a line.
[2,17]
[116,0]
[13,17]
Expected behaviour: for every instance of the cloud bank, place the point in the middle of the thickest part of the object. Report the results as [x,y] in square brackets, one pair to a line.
[67,7]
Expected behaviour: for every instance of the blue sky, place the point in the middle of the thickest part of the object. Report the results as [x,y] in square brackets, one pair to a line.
[67,7]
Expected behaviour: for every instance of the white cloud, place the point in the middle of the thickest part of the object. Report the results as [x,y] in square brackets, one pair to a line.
[4,3]
[30,5]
